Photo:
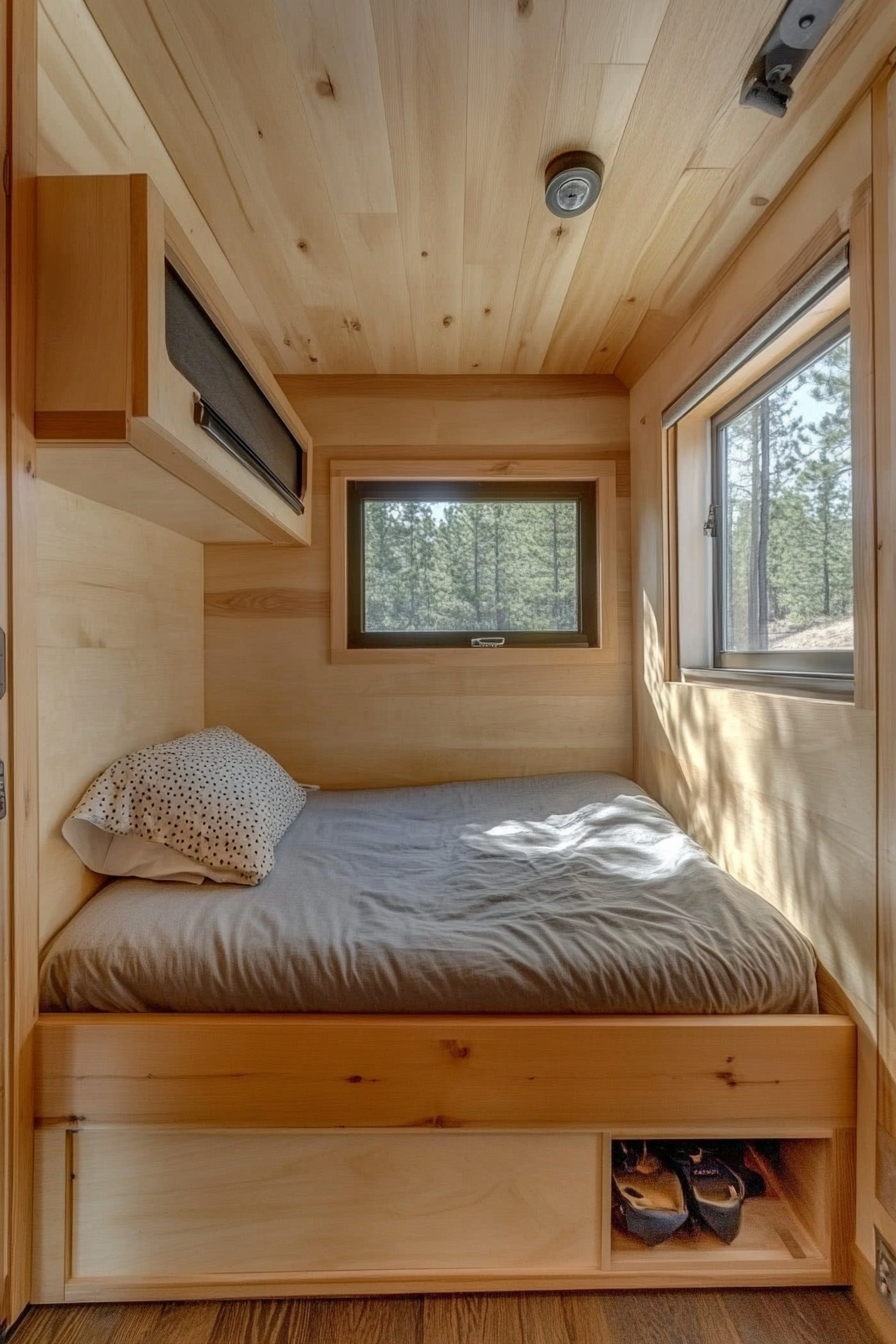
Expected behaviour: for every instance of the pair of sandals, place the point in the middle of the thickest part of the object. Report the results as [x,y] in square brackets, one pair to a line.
[659,1187]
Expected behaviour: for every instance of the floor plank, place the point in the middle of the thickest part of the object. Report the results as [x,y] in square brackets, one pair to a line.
[670,1318]
[69,1325]
[533,1318]
[798,1318]
[375,1320]
[780,1316]
[272,1322]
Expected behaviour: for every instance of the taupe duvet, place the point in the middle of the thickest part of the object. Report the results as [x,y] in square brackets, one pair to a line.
[561,894]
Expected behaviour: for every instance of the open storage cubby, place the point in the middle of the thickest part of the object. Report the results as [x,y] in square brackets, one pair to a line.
[786,1234]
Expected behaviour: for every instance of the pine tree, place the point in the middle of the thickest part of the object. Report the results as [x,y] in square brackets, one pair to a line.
[789,509]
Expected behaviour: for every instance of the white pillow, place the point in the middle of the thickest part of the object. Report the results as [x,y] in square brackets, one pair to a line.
[208,805]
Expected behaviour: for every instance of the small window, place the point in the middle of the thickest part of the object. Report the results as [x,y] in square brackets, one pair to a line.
[471,563]
[782,517]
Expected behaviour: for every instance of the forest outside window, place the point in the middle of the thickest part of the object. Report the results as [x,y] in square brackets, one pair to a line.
[471,564]
[782,517]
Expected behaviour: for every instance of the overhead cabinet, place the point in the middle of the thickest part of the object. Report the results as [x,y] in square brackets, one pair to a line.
[148,397]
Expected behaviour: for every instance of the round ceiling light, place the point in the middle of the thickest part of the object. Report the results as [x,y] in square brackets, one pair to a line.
[572,183]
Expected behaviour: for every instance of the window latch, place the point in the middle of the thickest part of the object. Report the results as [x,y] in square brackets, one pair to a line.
[488,642]
[709,527]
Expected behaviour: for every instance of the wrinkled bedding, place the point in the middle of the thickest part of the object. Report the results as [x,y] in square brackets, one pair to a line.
[560,894]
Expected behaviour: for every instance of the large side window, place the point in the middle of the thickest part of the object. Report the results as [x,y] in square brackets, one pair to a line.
[782,517]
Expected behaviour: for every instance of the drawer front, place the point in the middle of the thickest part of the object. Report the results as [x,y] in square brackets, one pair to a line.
[170,1202]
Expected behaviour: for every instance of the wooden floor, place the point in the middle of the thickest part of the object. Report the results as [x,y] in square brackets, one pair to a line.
[807,1316]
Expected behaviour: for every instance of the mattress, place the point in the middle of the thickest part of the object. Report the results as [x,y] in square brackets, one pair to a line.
[560,894]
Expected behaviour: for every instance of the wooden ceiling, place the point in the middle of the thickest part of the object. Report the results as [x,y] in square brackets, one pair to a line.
[373,170]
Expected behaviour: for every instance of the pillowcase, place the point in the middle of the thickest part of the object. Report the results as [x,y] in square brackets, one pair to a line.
[208,805]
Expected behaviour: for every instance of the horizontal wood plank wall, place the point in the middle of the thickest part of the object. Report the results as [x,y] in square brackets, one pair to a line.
[780,790]
[268,669]
[119,662]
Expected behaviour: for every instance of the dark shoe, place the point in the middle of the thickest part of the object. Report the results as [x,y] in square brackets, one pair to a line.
[647,1193]
[715,1193]
[735,1153]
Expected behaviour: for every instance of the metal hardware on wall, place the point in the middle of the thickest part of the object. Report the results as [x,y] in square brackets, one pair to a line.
[219,430]
[802,25]
[885,1270]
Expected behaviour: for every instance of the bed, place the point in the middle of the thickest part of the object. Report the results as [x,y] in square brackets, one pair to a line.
[400,1061]
[560,894]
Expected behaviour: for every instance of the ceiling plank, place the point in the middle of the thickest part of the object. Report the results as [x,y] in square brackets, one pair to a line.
[665,129]
[332,49]
[422,51]
[696,189]
[374,249]
[512,45]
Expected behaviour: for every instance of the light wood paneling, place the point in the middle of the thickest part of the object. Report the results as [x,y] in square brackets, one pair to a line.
[268,660]
[9,928]
[83,279]
[117,475]
[160,1202]
[780,790]
[651,1074]
[91,122]
[612,251]
[460,413]
[374,173]
[18,614]
[119,616]
[884,151]
[763,156]
[52,1179]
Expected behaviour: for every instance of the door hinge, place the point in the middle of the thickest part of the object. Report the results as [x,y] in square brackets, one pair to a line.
[709,527]
[2,791]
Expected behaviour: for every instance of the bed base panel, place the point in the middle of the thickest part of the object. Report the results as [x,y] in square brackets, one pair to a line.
[200,1156]
[451,1071]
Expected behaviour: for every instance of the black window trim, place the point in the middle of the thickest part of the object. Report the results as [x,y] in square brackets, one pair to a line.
[826,667]
[584,492]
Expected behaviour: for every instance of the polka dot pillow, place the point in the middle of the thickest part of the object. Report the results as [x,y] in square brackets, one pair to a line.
[209,805]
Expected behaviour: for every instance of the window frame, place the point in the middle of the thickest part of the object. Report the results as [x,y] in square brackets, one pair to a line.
[582,493]
[601,474]
[830,666]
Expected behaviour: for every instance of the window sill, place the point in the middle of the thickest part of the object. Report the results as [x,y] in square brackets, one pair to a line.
[462,657]
[839,689]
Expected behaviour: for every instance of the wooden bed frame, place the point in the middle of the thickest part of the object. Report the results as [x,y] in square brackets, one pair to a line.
[240,1156]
